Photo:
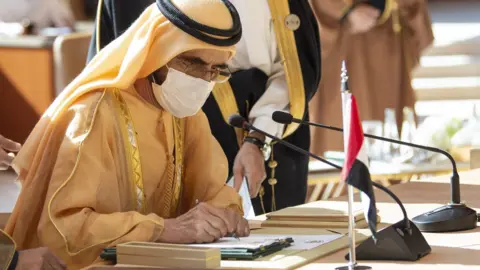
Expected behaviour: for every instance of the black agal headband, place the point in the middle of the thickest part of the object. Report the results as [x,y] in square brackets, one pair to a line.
[200,31]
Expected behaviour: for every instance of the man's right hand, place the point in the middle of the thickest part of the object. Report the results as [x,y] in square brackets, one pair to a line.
[363,18]
[5,157]
[39,259]
[204,224]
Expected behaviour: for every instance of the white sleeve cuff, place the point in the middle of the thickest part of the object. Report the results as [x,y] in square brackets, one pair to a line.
[268,125]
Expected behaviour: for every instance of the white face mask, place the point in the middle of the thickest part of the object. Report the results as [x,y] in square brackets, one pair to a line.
[182,95]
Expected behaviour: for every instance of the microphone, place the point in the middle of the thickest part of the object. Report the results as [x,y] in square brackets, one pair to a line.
[406,242]
[238,121]
[455,216]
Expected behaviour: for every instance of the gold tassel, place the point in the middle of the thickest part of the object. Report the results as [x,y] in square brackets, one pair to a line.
[260,194]
[272,164]
[397,27]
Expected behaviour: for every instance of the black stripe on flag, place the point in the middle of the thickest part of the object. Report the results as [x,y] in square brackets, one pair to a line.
[359,177]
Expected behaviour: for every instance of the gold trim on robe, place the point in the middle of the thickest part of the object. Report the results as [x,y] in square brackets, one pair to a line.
[288,51]
[179,135]
[287,46]
[387,12]
[97,25]
[223,94]
[132,151]
[131,147]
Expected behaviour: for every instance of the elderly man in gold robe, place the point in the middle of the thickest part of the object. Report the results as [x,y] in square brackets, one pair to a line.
[381,41]
[124,153]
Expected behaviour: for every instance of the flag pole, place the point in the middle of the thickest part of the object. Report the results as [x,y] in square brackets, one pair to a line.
[352,264]
[351,220]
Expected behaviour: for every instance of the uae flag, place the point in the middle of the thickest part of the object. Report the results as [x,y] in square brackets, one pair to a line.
[355,170]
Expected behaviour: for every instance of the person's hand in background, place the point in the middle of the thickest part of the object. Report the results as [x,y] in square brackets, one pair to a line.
[60,14]
[362,18]
[7,146]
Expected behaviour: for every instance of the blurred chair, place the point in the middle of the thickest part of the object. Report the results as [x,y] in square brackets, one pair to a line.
[69,57]
[475,158]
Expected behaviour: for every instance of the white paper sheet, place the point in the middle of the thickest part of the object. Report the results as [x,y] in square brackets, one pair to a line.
[301,242]
[251,242]
[247,203]
[305,242]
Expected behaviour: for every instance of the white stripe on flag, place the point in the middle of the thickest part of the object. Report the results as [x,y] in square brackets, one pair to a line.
[347,108]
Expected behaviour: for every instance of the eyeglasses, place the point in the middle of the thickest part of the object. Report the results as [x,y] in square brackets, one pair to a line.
[196,68]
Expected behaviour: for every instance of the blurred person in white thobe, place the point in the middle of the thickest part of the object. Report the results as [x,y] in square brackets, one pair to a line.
[39,13]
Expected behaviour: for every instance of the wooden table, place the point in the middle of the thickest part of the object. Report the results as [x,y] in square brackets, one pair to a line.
[458,250]
[324,181]
[450,251]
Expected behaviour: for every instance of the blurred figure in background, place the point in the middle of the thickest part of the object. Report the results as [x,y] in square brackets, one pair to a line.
[39,13]
[7,146]
[382,41]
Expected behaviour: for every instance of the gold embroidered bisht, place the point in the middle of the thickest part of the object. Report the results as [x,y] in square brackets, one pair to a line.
[379,64]
[103,166]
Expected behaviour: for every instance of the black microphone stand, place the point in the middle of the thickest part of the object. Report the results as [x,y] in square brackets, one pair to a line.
[402,240]
[455,216]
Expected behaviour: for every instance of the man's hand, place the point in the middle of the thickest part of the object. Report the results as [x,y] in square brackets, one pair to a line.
[204,224]
[39,259]
[363,18]
[7,158]
[249,163]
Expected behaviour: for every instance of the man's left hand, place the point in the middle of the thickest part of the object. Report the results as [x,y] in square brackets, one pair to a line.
[249,163]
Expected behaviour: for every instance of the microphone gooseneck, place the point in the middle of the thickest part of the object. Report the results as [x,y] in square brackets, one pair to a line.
[282,117]
[455,216]
[238,121]
[400,204]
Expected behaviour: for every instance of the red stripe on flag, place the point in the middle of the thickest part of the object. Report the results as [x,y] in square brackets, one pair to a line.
[355,137]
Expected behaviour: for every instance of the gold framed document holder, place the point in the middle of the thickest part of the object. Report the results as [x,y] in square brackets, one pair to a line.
[167,255]
[184,256]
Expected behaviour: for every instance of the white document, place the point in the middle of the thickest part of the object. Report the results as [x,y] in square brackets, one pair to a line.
[305,242]
[251,242]
[300,242]
[247,203]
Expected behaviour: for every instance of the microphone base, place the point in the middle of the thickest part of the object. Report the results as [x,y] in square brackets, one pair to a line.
[356,267]
[448,218]
[394,243]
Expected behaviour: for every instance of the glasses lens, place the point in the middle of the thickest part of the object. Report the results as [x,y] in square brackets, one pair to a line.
[222,75]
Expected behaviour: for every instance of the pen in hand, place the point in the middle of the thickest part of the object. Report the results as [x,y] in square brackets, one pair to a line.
[234,235]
